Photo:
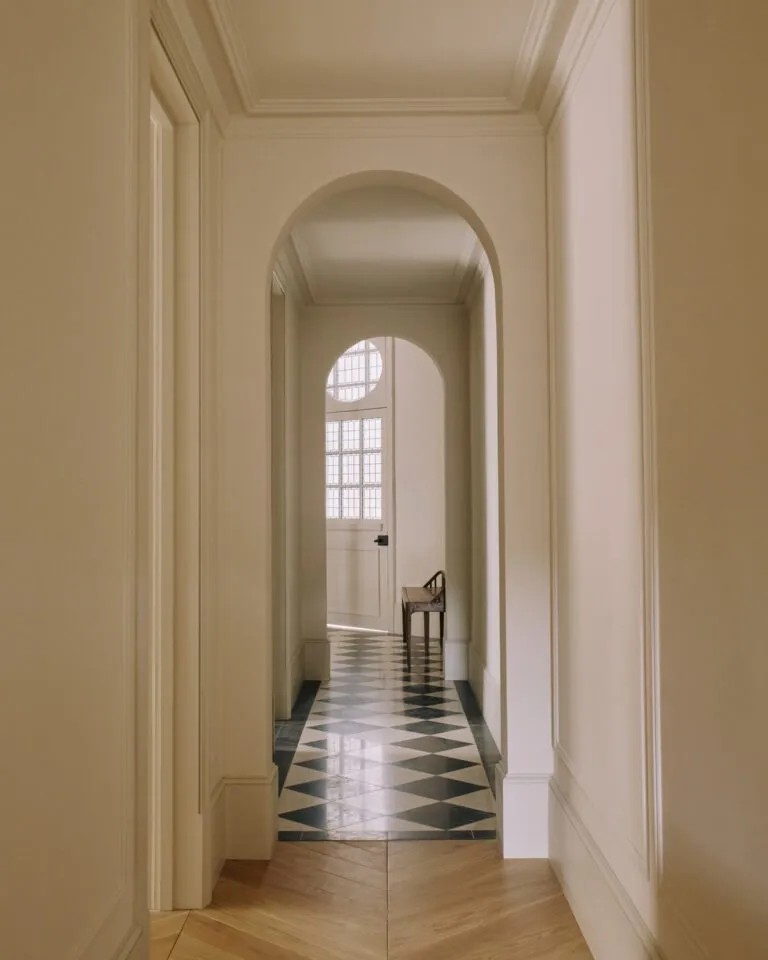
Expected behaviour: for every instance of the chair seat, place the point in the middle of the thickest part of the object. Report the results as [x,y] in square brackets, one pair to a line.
[419,599]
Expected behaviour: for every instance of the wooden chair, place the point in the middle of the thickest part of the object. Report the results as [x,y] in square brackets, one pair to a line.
[427,599]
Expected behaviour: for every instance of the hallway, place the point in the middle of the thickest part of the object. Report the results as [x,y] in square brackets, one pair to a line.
[378,901]
[386,753]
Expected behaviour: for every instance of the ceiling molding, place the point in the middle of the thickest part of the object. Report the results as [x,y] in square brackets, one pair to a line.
[292,275]
[185,51]
[588,20]
[528,61]
[497,126]
[224,20]
[379,106]
[528,57]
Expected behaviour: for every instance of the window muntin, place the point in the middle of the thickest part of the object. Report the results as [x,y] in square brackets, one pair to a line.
[356,372]
[354,468]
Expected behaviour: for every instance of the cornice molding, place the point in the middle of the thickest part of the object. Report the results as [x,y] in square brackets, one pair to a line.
[189,61]
[587,22]
[538,26]
[528,57]
[224,20]
[497,126]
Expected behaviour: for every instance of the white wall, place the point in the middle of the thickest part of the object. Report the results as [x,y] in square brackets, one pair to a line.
[485,646]
[496,179]
[599,669]
[442,331]
[74,97]
[286,485]
[708,162]
[420,475]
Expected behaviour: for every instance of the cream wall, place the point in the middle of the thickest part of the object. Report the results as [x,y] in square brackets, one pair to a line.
[420,476]
[286,484]
[75,99]
[709,155]
[496,179]
[600,812]
[485,646]
[442,332]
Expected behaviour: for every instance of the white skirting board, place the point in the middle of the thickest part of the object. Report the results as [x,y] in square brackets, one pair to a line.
[249,807]
[522,811]
[317,659]
[611,925]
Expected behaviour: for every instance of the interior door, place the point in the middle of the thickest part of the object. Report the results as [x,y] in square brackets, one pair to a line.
[358,508]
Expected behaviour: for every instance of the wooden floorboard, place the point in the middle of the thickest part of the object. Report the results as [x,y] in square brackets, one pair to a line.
[358,900]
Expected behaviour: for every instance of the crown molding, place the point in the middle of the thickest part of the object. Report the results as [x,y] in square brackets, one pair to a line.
[588,20]
[497,126]
[528,57]
[223,17]
[185,51]
[379,106]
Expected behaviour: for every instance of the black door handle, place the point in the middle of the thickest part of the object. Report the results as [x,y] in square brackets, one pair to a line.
[382,540]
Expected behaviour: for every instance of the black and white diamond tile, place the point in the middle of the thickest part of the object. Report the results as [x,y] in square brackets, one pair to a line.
[386,752]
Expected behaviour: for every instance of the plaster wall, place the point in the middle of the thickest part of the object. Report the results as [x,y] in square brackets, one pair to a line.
[421,479]
[601,739]
[497,181]
[485,645]
[73,730]
[708,135]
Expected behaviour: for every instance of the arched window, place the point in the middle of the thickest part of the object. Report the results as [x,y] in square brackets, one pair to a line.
[355,373]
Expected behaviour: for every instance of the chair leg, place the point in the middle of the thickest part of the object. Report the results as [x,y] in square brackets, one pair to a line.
[426,635]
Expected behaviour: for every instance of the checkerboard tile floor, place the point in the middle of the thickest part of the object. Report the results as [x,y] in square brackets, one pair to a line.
[385,753]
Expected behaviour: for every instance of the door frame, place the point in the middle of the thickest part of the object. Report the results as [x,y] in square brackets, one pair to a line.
[170,390]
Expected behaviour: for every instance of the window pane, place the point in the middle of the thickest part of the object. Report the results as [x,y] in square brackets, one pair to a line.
[356,372]
[350,468]
[372,468]
[372,503]
[372,433]
[350,503]
[332,503]
[331,435]
[350,434]
[332,470]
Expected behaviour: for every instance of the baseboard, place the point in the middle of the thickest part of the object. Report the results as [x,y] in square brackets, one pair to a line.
[609,921]
[317,659]
[251,814]
[135,945]
[456,654]
[522,810]
[487,693]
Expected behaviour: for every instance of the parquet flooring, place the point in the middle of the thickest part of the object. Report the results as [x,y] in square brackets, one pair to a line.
[373,900]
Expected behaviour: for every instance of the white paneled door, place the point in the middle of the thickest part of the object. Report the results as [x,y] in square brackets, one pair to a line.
[357,493]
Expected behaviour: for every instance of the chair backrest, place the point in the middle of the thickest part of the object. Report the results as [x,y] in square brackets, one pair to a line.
[436,584]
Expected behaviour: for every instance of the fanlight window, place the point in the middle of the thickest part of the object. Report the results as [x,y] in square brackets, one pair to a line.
[355,373]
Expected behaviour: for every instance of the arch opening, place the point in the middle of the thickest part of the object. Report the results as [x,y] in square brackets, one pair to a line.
[401,262]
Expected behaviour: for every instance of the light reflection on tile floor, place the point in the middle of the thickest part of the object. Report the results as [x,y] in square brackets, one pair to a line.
[385,754]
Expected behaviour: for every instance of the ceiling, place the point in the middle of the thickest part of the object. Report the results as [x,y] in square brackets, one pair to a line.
[289,57]
[381,245]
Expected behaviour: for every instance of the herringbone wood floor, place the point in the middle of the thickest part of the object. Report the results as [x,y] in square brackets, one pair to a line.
[369,900]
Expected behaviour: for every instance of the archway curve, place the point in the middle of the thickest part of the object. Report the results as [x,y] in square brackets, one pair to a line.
[395,178]
[416,341]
